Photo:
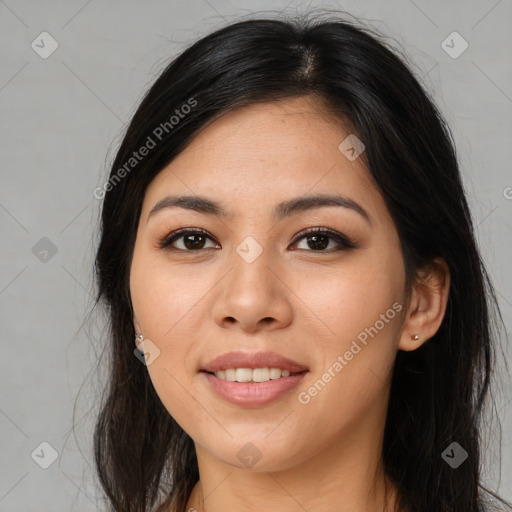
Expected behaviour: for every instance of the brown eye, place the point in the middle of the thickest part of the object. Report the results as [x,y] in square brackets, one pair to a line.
[317,242]
[192,240]
[318,239]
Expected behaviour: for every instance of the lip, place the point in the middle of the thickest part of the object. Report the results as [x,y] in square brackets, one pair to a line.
[253,360]
[253,394]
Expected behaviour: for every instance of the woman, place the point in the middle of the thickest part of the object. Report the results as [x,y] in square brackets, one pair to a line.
[300,318]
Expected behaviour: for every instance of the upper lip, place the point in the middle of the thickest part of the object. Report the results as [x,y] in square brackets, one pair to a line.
[253,360]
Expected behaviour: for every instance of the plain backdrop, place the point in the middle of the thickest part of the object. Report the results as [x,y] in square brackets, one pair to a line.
[62,118]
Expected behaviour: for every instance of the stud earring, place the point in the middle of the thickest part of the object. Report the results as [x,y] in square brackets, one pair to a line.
[138,339]
[415,337]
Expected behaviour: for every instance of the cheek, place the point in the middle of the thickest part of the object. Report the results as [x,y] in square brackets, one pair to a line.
[361,306]
[164,296]
[351,377]
[158,307]
[163,304]
[364,324]
[354,298]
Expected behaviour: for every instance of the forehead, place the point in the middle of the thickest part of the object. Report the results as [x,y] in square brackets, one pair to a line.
[256,156]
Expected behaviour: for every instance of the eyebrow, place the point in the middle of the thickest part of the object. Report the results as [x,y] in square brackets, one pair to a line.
[286,208]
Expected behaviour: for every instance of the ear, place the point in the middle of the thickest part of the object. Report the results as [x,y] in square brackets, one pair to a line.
[136,324]
[427,305]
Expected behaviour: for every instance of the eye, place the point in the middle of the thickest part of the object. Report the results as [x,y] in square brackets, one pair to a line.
[318,239]
[193,239]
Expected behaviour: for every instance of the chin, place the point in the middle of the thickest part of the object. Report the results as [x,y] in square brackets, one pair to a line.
[258,455]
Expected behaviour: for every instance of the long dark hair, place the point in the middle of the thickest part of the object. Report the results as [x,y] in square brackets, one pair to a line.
[142,456]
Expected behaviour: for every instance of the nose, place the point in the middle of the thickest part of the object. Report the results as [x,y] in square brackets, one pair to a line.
[253,296]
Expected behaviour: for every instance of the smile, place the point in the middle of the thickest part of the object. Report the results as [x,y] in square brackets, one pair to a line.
[252,393]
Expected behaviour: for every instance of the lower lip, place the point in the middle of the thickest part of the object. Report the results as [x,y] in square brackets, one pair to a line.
[253,394]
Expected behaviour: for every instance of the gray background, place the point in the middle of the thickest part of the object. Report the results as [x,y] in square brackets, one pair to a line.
[62,120]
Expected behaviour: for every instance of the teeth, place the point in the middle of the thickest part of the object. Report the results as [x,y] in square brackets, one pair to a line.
[243,375]
[250,375]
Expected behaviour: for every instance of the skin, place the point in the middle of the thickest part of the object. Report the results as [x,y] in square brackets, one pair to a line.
[324,455]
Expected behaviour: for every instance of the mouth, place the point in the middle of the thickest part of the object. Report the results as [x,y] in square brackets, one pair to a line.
[252,394]
[252,380]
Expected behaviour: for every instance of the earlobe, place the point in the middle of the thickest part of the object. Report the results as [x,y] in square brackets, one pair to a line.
[139,338]
[136,324]
[428,306]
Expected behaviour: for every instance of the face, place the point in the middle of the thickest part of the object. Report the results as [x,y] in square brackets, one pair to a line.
[254,280]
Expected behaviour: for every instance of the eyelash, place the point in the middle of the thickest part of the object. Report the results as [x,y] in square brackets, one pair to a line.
[343,241]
